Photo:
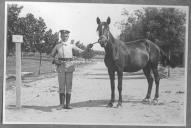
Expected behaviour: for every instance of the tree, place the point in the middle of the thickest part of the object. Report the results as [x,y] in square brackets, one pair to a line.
[50,40]
[35,36]
[33,30]
[12,25]
[79,45]
[87,54]
[165,27]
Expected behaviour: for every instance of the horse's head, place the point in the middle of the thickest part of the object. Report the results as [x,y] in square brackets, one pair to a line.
[103,31]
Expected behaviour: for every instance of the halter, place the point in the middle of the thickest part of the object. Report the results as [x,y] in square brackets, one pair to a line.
[104,39]
[103,35]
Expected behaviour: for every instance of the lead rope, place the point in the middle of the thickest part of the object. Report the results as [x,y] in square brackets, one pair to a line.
[94,43]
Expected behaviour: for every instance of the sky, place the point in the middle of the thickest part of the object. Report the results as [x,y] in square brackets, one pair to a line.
[79,18]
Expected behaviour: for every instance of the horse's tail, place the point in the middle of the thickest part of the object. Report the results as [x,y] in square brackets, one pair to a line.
[165,59]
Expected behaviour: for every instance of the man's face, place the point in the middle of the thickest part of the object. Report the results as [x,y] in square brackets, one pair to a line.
[64,37]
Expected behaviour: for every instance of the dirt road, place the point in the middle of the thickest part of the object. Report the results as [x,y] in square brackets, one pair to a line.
[91,93]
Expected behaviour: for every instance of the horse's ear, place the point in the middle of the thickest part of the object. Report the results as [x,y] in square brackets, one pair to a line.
[108,20]
[98,20]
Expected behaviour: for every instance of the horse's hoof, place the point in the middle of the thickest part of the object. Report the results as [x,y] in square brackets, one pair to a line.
[60,107]
[110,105]
[155,101]
[147,100]
[119,105]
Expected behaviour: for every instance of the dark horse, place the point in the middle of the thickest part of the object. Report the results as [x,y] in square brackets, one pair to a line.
[130,57]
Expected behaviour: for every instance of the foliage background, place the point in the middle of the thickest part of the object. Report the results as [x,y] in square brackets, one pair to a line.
[163,26]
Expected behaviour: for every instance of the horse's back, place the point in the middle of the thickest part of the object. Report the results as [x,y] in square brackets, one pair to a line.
[134,47]
[143,44]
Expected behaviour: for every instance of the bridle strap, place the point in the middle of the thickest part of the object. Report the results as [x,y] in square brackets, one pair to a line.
[105,37]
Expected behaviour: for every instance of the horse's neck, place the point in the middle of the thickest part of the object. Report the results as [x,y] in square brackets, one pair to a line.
[111,38]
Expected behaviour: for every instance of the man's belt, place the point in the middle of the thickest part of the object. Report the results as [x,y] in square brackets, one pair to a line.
[65,59]
[61,60]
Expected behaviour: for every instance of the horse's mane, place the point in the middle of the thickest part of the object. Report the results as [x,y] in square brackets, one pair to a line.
[134,41]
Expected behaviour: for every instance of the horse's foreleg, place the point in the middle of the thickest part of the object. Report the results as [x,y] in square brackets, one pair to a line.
[112,82]
[147,73]
[120,77]
[157,79]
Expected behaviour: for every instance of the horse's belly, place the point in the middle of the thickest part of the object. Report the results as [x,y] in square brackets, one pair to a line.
[132,69]
[135,65]
[137,61]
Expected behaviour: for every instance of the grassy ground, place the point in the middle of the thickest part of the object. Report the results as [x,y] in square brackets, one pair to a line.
[31,65]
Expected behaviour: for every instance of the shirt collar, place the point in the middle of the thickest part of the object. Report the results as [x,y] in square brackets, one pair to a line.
[64,43]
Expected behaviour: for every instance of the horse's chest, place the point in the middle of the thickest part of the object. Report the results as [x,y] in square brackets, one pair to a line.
[110,63]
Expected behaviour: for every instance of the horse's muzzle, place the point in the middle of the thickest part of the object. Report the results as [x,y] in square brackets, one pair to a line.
[102,42]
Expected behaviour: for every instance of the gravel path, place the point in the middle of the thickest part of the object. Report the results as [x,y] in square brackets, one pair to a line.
[91,93]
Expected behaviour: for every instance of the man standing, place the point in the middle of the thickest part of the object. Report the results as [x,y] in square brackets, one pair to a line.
[65,67]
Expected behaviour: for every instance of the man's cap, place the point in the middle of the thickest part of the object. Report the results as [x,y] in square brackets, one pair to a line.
[64,31]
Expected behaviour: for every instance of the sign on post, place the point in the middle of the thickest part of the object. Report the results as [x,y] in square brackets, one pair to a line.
[18,39]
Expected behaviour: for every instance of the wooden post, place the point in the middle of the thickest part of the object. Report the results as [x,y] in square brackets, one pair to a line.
[18,75]
[169,66]
[18,39]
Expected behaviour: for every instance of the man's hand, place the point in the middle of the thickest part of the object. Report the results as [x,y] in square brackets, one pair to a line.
[89,46]
[56,61]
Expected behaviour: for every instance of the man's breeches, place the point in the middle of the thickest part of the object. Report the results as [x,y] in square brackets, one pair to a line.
[64,79]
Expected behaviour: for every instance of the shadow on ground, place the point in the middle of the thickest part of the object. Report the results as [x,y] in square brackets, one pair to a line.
[89,103]
[103,103]
[40,108]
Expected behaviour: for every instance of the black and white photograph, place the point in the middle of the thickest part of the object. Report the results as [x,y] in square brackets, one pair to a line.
[95,64]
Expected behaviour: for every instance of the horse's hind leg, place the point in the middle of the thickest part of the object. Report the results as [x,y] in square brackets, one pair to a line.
[147,72]
[112,82]
[120,77]
[157,79]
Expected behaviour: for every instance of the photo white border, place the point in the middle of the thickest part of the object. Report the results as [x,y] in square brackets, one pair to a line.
[132,124]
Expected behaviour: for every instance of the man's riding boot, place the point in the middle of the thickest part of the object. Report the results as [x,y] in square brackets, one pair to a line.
[68,97]
[62,100]
[60,97]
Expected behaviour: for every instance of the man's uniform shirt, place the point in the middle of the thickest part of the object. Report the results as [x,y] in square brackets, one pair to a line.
[64,50]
